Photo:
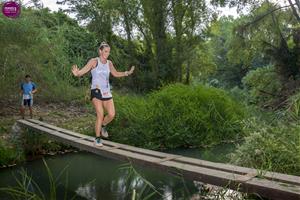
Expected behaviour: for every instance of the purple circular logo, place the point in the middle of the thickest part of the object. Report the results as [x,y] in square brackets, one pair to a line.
[11,9]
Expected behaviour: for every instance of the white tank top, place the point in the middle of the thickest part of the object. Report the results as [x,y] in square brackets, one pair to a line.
[100,78]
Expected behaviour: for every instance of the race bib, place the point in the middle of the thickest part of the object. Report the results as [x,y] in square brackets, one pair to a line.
[105,92]
[26,96]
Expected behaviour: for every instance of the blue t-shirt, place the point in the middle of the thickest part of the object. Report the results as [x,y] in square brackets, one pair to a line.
[27,88]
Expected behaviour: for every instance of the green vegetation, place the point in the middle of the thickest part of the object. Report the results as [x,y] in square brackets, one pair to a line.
[263,86]
[178,116]
[30,189]
[270,147]
[8,154]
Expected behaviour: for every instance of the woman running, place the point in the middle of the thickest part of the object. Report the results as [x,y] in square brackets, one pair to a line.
[101,96]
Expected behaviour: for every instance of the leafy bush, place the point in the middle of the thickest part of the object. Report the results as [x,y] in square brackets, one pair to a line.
[274,148]
[46,49]
[177,116]
[263,85]
[51,89]
[131,123]
[7,154]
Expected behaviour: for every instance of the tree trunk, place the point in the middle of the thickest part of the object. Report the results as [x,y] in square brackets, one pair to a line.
[294,10]
[128,27]
[298,4]
[178,13]
[188,68]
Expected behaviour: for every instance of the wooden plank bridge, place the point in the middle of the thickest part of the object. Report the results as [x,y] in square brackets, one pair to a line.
[266,184]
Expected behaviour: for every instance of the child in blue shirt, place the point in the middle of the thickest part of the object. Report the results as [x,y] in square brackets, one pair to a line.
[28,88]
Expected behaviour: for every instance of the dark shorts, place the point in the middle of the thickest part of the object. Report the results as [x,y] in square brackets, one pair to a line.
[27,102]
[96,93]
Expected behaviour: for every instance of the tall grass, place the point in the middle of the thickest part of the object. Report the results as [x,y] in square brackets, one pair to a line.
[293,107]
[27,188]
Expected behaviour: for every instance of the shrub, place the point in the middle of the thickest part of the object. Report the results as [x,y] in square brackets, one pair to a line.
[7,154]
[274,148]
[177,116]
[263,85]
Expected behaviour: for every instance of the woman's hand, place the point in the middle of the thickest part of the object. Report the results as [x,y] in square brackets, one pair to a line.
[75,70]
[131,70]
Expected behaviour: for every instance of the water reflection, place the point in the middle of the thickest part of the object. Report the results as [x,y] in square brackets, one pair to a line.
[168,193]
[88,191]
[119,187]
[92,177]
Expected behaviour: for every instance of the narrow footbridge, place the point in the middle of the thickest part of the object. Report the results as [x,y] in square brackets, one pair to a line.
[266,184]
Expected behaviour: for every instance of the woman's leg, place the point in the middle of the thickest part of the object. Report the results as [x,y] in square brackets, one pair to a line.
[99,111]
[110,109]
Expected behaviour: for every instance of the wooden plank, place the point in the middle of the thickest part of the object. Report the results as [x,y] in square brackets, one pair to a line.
[203,174]
[135,156]
[124,153]
[233,177]
[61,134]
[123,146]
[266,188]
[247,177]
[105,142]
[56,128]
[220,166]
[139,150]
[57,135]
[285,178]
[169,158]
[272,189]
[215,165]
[117,153]
[87,145]
[110,152]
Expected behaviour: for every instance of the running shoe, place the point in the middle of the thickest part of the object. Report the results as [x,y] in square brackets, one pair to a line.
[104,132]
[98,142]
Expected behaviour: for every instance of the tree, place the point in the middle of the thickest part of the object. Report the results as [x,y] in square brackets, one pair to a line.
[189,17]
[276,35]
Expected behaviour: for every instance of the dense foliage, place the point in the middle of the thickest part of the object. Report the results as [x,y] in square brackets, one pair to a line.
[178,116]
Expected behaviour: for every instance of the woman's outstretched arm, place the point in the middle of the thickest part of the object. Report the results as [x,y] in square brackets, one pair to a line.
[80,72]
[115,73]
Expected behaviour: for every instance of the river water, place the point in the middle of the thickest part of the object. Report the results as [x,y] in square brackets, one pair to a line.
[88,176]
